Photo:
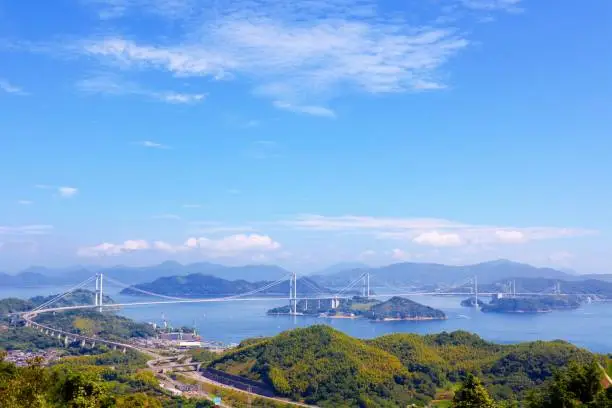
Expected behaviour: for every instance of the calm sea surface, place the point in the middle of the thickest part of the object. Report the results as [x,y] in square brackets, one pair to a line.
[229,322]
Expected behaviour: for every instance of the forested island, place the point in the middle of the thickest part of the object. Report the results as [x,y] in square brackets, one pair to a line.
[396,308]
[197,285]
[540,304]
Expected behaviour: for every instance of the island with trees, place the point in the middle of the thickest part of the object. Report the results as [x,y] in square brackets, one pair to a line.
[396,308]
[532,304]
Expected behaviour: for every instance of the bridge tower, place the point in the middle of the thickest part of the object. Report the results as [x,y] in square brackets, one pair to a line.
[366,285]
[475,290]
[99,291]
[293,294]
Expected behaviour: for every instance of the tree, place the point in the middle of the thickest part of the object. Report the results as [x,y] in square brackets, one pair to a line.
[472,395]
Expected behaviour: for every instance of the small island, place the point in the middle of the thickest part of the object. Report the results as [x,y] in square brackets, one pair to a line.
[396,308]
[542,304]
[471,302]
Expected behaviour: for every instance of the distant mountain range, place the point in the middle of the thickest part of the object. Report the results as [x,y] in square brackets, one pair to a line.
[403,274]
[42,276]
[421,274]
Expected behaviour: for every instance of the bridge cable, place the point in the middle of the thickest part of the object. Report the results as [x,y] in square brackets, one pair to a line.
[60,296]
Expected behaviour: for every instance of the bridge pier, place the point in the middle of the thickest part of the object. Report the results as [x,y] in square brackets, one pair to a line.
[82,343]
[114,347]
[123,351]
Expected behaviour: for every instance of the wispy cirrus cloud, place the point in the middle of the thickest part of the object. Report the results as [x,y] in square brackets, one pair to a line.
[492,5]
[111,85]
[7,87]
[63,191]
[298,52]
[67,192]
[433,231]
[167,9]
[306,109]
[152,145]
[36,229]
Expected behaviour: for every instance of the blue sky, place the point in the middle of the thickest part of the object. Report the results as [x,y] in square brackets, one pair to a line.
[305,133]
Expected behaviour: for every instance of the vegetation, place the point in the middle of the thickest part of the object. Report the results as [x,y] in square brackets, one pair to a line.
[25,338]
[15,305]
[531,304]
[472,394]
[322,366]
[394,308]
[403,309]
[101,381]
[575,386]
[92,323]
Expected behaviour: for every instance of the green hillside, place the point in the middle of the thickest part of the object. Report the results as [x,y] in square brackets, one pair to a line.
[322,366]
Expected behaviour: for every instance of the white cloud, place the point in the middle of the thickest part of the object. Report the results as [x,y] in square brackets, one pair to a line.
[510,236]
[192,206]
[492,5]
[399,255]
[307,109]
[168,9]
[152,145]
[26,230]
[105,249]
[299,52]
[232,245]
[174,97]
[63,191]
[355,222]
[111,85]
[7,87]
[67,192]
[437,239]
[432,231]
[233,191]
[25,202]
[166,247]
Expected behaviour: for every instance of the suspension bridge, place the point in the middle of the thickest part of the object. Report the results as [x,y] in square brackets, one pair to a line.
[359,285]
